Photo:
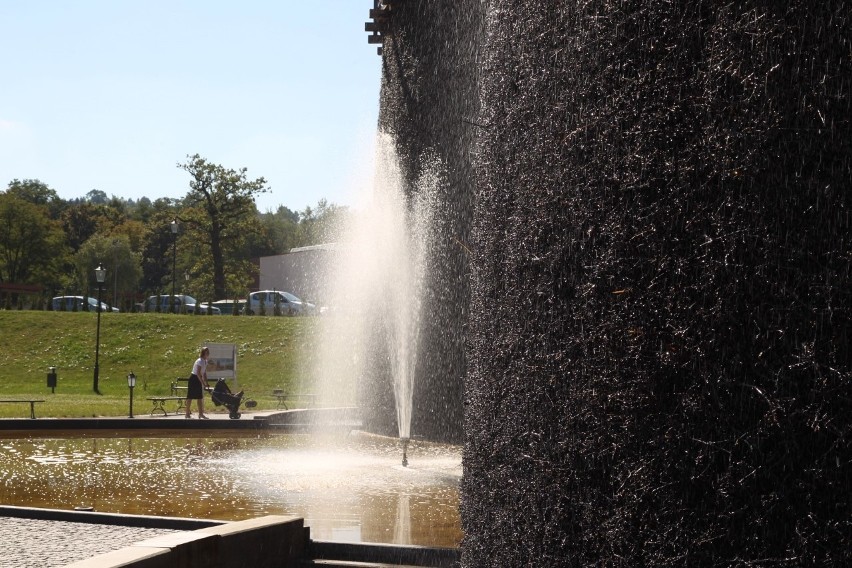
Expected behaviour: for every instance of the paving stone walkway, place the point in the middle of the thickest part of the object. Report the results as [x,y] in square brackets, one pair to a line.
[39,543]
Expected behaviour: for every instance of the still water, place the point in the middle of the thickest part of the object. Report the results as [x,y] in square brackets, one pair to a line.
[348,488]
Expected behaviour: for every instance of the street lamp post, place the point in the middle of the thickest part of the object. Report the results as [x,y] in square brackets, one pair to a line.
[174,227]
[51,380]
[100,275]
[131,382]
[114,273]
[185,291]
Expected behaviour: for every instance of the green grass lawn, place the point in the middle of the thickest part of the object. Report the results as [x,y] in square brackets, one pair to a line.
[158,348]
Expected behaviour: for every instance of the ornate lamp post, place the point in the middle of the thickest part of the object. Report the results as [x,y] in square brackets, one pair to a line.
[51,380]
[100,275]
[174,227]
[131,382]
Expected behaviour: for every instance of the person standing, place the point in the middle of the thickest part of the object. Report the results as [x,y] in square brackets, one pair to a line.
[197,384]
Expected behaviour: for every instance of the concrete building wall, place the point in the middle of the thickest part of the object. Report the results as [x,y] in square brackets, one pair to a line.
[301,272]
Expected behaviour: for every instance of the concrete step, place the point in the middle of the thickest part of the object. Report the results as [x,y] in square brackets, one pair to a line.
[374,555]
[351,564]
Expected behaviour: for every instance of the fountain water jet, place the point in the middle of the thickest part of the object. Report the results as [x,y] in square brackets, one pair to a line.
[405,442]
[373,330]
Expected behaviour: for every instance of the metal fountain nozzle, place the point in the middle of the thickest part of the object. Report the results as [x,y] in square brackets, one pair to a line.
[405,451]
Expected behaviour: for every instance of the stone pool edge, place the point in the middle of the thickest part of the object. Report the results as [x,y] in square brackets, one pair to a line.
[299,419]
[267,541]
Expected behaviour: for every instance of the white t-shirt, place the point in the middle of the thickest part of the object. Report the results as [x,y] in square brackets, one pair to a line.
[199,368]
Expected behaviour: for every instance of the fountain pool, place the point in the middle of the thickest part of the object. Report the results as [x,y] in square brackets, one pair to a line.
[347,488]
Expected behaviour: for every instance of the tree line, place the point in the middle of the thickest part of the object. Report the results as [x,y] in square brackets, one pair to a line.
[50,246]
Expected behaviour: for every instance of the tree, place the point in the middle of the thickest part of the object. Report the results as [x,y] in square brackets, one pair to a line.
[321,224]
[220,207]
[37,193]
[124,267]
[279,232]
[32,190]
[97,197]
[156,247]
[31,244]
[82,220]
[141,210]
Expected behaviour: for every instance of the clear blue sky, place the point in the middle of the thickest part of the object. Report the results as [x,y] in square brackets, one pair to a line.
[112,94]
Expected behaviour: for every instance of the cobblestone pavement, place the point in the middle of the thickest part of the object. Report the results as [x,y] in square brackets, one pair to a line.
[38,543]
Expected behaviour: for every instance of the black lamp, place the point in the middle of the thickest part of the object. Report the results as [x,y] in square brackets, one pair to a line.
[131,383]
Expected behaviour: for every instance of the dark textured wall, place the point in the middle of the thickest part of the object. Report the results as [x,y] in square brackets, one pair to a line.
[660,368]
[658,362]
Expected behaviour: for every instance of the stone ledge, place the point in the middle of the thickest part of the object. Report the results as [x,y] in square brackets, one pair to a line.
[264,542]
[113,519]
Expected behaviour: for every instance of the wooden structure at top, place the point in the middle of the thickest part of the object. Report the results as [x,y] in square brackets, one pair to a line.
[379,26]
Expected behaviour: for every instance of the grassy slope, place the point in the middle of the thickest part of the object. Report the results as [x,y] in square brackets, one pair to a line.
[157,347]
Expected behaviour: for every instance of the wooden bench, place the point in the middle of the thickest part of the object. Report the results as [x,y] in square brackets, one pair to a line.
[31,401]
[284,397]
[160,403]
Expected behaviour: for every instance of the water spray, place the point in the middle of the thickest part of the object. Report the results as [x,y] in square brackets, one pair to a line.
[405,451]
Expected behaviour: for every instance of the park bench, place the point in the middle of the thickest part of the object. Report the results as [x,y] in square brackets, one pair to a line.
[159,403]
[284,397]
[31,401]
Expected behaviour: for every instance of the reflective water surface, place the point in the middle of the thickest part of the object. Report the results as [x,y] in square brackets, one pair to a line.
[347,487]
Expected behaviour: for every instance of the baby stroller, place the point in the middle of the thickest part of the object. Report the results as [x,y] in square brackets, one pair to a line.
[222,396]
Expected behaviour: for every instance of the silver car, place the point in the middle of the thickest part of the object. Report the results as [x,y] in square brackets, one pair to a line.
[287,303]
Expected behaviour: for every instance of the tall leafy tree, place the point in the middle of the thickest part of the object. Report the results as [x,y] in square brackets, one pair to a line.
[31,244]
[123,265]
[321,224]
[220,208]
[156,247]
[32,190]
[279,233]
[141,210]
[97,196]
[37,193]
[82,220]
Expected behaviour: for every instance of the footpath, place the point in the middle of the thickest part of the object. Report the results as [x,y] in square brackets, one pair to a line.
[46,543]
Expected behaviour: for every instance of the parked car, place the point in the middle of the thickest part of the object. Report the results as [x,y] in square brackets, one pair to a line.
[288,304]
[181,301]
[228,307]
[69,301]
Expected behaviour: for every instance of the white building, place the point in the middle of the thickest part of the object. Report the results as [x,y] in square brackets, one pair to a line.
[302,272]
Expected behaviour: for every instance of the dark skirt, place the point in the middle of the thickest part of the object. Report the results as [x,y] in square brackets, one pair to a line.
[193,391]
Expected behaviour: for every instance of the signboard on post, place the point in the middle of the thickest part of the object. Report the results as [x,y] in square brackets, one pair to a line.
[222,362]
